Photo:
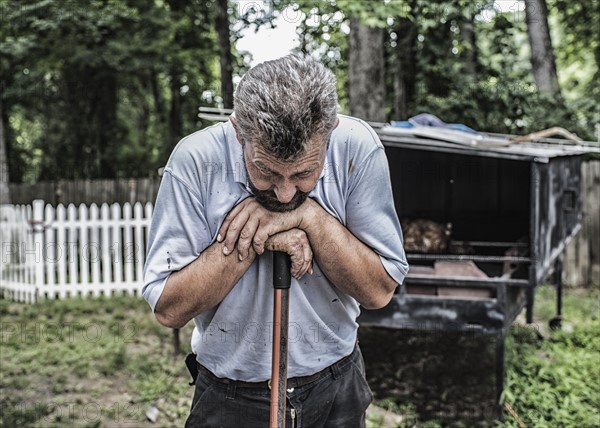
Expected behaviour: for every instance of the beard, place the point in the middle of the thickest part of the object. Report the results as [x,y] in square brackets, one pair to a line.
[268,199]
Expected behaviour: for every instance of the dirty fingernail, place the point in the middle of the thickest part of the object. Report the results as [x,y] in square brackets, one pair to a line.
[225,250]
[219,238]
[240,257]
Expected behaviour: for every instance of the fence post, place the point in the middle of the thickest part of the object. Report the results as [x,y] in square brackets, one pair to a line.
[37,228]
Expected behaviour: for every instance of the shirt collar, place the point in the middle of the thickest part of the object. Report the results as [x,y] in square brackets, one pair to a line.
[236,156]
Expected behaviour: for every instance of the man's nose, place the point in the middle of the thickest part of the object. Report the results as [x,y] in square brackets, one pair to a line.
[285,191]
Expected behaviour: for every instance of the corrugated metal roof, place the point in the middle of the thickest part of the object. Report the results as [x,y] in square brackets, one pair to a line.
[481,144]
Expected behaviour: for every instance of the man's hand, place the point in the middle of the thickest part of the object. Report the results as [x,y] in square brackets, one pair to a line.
[345,260]
[249,223]
[295,243]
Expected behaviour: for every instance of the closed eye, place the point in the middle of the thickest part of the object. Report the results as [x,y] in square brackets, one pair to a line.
[304,174]
[265,171]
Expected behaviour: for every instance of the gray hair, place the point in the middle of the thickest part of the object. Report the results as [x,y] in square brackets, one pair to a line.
[284,103]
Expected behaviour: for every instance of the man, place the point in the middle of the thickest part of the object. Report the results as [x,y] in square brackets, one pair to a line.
[287,174]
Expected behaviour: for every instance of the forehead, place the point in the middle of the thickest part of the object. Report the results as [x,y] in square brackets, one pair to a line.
[314,153]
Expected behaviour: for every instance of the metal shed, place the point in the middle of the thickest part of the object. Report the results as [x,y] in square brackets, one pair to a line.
[512,207]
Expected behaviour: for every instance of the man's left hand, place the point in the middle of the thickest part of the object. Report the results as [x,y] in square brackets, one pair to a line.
[249,223]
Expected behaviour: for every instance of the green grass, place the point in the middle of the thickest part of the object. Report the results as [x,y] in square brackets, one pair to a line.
[554,381]
[102,362]
[88,363]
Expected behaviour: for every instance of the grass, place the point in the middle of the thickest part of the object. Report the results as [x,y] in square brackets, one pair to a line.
[89,363]
[103,362]
[554,378]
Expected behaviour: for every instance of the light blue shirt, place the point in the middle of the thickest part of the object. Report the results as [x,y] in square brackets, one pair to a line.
[203,180]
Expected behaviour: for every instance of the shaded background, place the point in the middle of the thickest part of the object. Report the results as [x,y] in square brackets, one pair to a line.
[106,88]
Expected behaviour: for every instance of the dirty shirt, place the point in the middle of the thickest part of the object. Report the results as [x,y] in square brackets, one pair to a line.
[203,180]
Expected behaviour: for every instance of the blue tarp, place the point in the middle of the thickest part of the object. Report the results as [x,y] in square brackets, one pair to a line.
[427,119]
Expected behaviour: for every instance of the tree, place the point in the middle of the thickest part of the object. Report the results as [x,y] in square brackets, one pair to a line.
[225,56]
[124,80]
[542,53]
[4,192]
[403,67]
[366,71]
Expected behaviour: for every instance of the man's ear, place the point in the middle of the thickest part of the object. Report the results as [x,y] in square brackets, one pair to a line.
[237,134]
[337,122]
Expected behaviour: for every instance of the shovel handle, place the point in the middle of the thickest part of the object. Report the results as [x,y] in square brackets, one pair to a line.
[282,265]
[281,283]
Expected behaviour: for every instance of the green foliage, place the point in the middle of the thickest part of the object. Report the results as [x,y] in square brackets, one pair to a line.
[556,381]
[466,62]
[102,83]
[96,89]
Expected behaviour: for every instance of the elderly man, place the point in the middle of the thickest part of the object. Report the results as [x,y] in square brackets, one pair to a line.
[285,173]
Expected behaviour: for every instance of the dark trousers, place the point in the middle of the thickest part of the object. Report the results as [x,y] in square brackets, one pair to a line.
[338,398]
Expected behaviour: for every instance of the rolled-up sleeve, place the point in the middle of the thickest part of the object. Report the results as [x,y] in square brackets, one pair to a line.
[178,234]
[371,214]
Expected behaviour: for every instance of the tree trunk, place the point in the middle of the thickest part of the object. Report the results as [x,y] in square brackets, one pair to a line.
[175,113]
[472,55]
[542,53]
[159,103]
[366,72]
[222,26]
[4,192]
[107,125]
[404,68]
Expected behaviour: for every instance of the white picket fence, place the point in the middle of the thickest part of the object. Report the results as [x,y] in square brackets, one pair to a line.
[50,253]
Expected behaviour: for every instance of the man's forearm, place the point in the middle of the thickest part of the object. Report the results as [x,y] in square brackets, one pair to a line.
[347,262]
[200,286]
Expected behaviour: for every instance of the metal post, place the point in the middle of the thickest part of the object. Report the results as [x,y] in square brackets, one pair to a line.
[556,322]
[281,284]
[500,372]
[529,293]
[558,272]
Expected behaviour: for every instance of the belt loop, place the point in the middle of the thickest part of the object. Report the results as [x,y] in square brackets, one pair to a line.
[335,370]
[231,387]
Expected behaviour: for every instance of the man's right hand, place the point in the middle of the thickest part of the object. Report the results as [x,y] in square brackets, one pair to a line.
[249,224]
[296,244]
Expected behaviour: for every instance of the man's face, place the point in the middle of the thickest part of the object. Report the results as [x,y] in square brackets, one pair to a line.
[283,186]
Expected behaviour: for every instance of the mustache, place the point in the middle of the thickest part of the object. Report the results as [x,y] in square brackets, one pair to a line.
[269,200]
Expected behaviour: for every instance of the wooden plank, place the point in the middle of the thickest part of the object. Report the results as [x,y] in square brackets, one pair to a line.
[51,251]
[105,245]
[138,225]
[73,259]
[61,215]
[128,244]
[116,243]
[87,191]
[82,245]
[581,259]
[95,245]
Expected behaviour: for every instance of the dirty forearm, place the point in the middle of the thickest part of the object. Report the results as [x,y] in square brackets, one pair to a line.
[347,262]
[199,286]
